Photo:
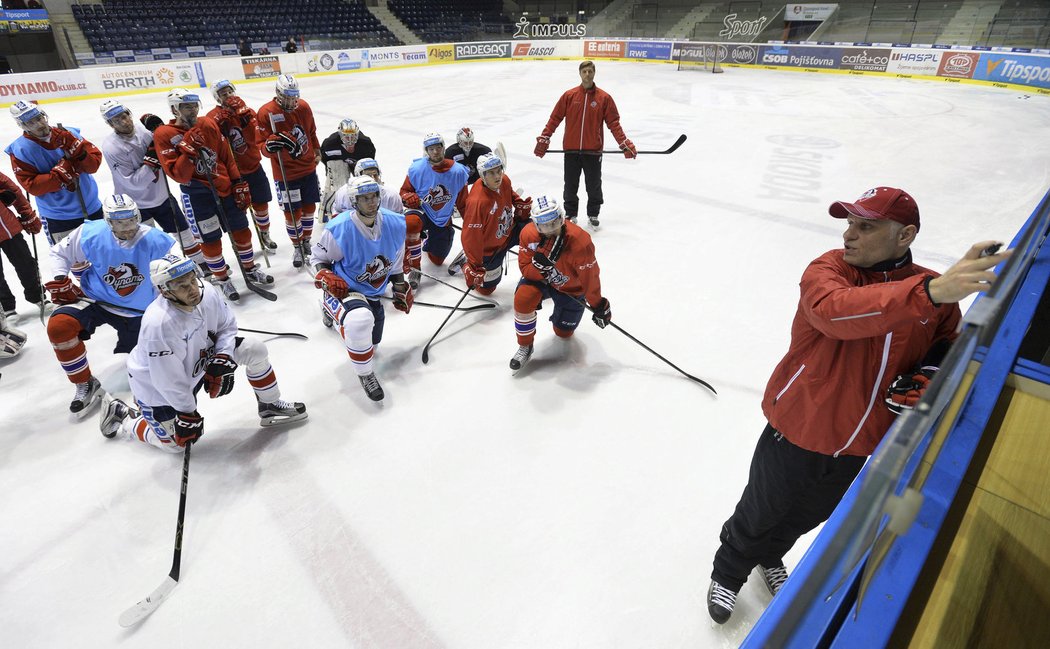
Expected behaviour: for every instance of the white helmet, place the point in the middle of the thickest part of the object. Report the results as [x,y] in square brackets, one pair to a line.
[287,90]
[545,209]
[180,96]
[220,85]
[430,139]
[488,162]
[121,212]
[465,139]
[348,132]
[366,163]
[112,108]
[168,268]
[24,110]
[359,186]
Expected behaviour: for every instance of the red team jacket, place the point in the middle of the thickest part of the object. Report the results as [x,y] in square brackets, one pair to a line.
[184,169]
[243,137]
[488,220]
[39,181]
[10,224]
[855,330]
[584,111]
[577,261]
[298,123]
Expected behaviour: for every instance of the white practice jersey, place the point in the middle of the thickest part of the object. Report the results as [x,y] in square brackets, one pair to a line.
[388,199]
[124,157]
[174,349]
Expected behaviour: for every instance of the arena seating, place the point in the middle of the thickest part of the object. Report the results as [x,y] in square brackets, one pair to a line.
[445,20]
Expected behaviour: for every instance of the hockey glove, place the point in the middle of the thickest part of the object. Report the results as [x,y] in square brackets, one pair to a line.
[150,160]
[151,121]
[64,291]
[237,106]
[65,140]
[64,173]
[191,142]
[543,264]
[403,297]
[275,143]
[31,223]
[242,194]
[410,200]
[542,144]
[218,375]
[474,275]
[329,282]
[7,197]
[628,149]
[189,426]
[907,389]
[523,208]
[602,313]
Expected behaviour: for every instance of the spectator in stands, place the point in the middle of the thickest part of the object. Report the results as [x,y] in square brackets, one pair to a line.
[245,48]
[290,46]
[586,109]
[871,327]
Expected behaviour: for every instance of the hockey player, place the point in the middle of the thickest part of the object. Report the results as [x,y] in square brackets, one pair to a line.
[239,124]
[340,152]
[433,187]
[111,258]
[12,340]
[294,145]
[132,158]
[492,221]
[357,255]
[195,154]
[467,153]
[55,165]
[189,340]
[585,108]
[16,215]
[557,261]
[388,198]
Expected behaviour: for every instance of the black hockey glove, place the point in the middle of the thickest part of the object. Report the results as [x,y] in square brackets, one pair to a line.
[151,121]
[189,426]
[907,389]
[543,264]
[218,376]
[602,313]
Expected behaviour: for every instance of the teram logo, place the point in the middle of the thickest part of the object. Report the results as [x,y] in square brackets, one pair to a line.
[525,29]
[123,279]
[526,49]
[375,272]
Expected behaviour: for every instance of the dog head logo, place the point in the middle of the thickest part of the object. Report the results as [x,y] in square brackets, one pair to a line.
[375,272]
[123,278]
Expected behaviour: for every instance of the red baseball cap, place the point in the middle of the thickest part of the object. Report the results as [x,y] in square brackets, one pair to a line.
[878,204]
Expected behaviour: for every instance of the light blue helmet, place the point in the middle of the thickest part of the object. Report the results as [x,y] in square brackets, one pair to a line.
[545,209]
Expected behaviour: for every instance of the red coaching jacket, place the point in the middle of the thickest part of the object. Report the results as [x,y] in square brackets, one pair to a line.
[855,330]
[584,112]
[10,223]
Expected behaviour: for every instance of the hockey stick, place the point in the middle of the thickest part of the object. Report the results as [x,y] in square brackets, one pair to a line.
[457,289]
[258,232]
[38,280]
[288,200]
[670,149]
[651,351]
[426,348]
[80,194]
[476,307]
[225,223]
[286,334]
[143,609]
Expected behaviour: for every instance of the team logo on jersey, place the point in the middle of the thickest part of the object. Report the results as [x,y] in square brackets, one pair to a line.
[203,359]
[206,161]
[437,197]
[505,219]
[237,141]
[123,279]
[375,272]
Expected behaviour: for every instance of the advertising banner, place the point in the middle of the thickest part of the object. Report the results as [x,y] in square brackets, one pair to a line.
[958,65]
[137,77]
[333,60]
[808,12]
[926,63]
[478,51]
[799,57]
[42,85]
[440,54]
[393,56]
[258,67]
[526,49]
[605,49]
[25,20]
[725,52]
[1010,68]
[651,50]
[867,59]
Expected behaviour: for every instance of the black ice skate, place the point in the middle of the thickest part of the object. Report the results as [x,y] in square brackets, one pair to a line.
[281,412]
[112,415]
[87,394]
[593,220]
[371,385]
[774,578]
[521,357]
[456,266]
[267,243]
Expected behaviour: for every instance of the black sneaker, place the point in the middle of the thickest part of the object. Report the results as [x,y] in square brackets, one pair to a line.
[774,578]
[720,602]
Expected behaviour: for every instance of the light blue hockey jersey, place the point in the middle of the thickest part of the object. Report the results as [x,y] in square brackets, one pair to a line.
[437,191]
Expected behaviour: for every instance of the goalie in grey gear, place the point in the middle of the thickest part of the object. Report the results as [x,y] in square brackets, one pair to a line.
[11,340]
[340,152]
[188,340]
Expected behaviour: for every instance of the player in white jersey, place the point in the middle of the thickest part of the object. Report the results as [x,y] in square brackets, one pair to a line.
[358,254]
[188,340]
[132,158]
[111,259]
[388,198]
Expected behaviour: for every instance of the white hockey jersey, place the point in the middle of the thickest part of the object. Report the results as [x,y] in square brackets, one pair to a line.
[174,349]
[124,157]
[388,199]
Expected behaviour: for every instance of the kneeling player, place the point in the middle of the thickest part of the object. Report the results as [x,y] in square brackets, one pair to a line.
[357,255]
[188,340]
[557,261]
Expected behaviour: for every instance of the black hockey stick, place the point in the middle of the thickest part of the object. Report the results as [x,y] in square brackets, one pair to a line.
[670,149]
[36,260]
[225,223]
[476,307]
[457,289]
[426,349]
[286,334]
[143,609]
[287,199]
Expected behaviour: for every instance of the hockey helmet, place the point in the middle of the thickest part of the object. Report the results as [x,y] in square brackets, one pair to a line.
[546,209]
[349,132]
[179,96]
[430,139]
[287,92]
[169,268]
[121,213]
[364,164]
[488,162]
[219,85]
[465,139]
[112,108]
[360,186]
[25,111]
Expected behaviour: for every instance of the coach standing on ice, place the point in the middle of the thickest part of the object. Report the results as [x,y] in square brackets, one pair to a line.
[585,109]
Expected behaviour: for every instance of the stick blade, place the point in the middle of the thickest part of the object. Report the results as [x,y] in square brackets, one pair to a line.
[145,608]
[674,147]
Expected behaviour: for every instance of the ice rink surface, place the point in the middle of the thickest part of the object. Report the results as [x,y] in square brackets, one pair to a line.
[576,505]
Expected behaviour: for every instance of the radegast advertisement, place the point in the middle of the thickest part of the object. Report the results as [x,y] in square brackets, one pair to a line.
[476,51]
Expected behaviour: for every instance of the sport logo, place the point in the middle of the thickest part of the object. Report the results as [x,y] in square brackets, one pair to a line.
[375,272]
[123,279]
[437,197]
